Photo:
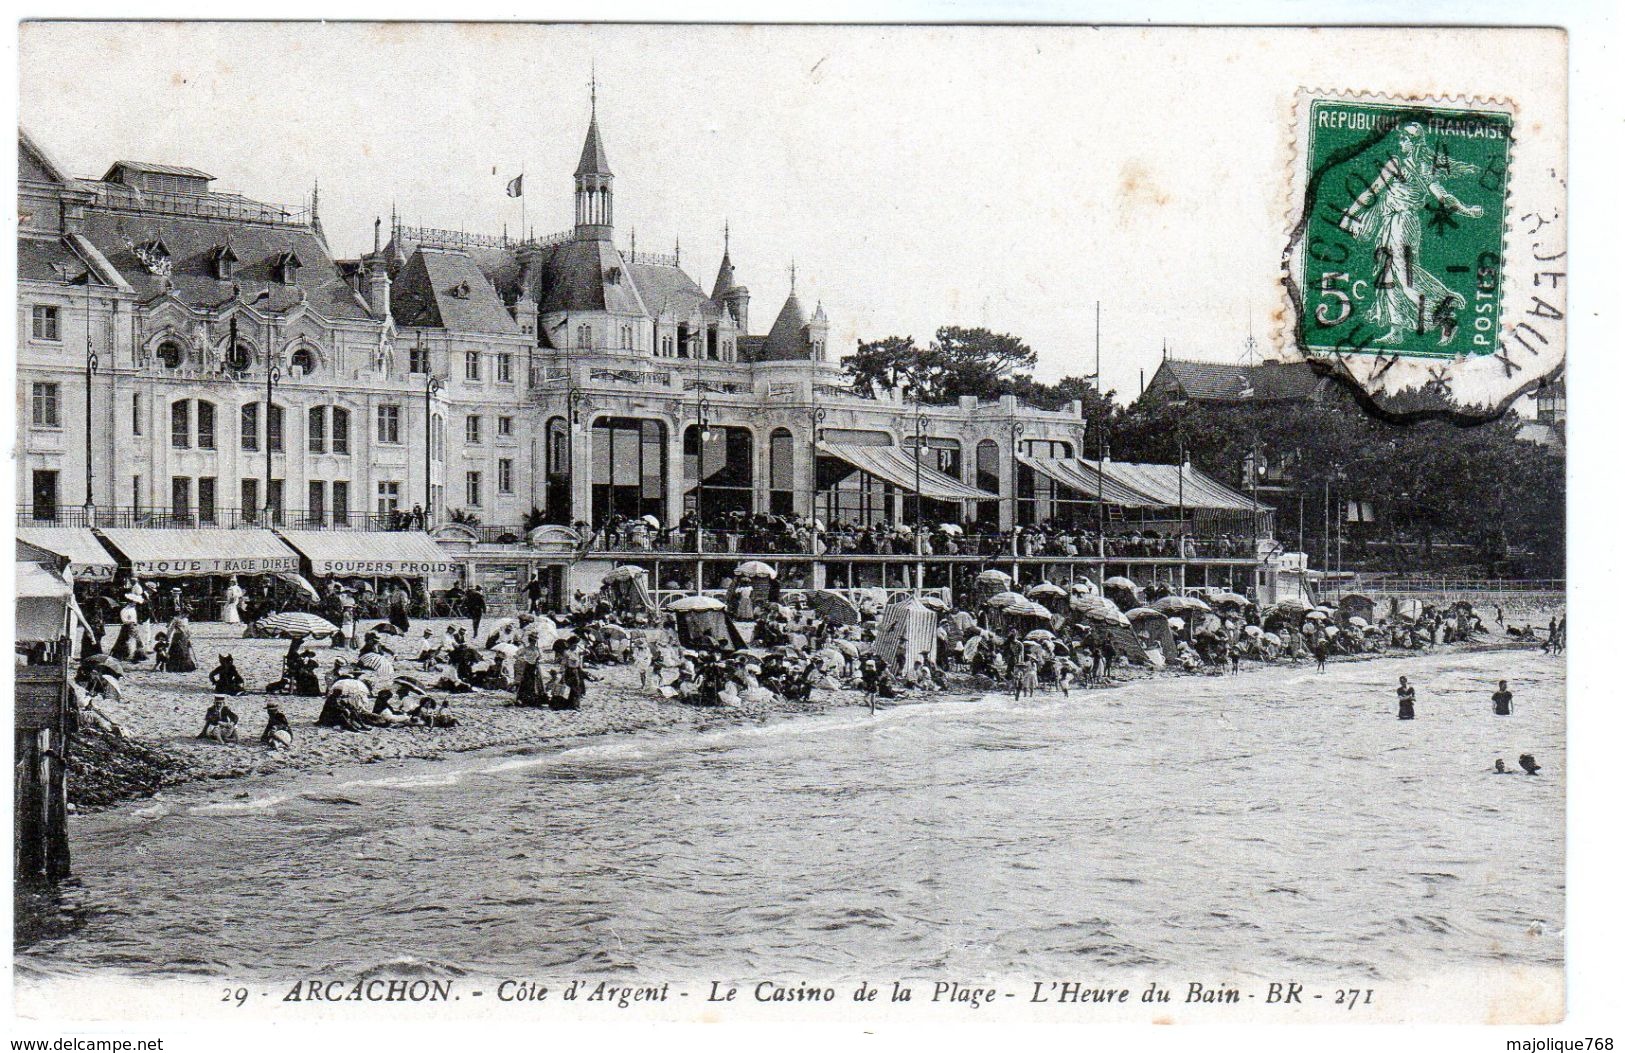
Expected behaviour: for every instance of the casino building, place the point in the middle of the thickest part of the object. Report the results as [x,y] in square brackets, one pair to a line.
[194,359]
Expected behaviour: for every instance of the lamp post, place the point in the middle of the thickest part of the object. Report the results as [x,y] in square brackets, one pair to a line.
[815,417]
[91,363]
[702,426]
[1015,435]
[432,386]
[273,376]
[919,453]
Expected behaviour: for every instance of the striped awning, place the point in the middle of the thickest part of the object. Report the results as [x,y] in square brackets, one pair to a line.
[364,554]
[1082,477]
[87,559]
[1161,483]
[199,553]
[898,467]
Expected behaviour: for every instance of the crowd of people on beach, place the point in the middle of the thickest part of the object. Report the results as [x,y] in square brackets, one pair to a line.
[799,641]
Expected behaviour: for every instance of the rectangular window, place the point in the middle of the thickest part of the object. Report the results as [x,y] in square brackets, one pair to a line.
[341,430]
[273,429]
[135,493]
[205,500]
[505,369]
[205,425]
[418,361]
[180,425]
[471,365]
[251,498]
[275,501]
[474,489]
[505,476]
[389,424]
[250,427]
[471,430]
[505,427]
[137,426]
[317,429]
[47,323]
[316,505]
[45,495]
[180,495]
[341,502]
[389,498]
[47,406]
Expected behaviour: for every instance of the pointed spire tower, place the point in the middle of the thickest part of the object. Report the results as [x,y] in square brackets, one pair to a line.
[595,194]
[733,296]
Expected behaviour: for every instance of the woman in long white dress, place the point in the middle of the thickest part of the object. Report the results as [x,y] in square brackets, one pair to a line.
[231,609]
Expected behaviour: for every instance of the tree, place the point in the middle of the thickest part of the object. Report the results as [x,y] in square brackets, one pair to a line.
[958,362]
[880,365]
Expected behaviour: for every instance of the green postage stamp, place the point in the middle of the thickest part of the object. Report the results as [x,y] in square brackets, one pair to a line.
[1397,261]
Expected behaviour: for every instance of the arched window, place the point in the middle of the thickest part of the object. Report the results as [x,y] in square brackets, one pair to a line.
[626,336]
[583,336]
[303,362]
[987,478]
[628,468]
[171,354]
[781,472]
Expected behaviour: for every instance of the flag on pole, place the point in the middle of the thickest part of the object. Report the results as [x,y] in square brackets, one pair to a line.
[516,186]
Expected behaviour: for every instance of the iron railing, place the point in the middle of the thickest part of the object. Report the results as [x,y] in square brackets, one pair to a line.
[121,517]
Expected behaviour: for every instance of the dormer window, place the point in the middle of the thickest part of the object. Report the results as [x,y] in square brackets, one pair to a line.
[287,267]
[154,256]
[461,290]
[303,362]
[225,263]
[613,276]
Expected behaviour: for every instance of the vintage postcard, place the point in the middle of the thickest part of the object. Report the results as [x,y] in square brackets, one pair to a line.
[474,559]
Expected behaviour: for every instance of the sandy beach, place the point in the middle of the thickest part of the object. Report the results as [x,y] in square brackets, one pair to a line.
[162,713]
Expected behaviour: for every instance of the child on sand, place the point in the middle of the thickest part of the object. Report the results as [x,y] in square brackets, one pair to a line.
[219,723]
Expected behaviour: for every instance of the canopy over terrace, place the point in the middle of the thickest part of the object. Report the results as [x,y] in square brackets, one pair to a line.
[1151,490]
[201,553]
[87,559]
[899,468]
[361,554]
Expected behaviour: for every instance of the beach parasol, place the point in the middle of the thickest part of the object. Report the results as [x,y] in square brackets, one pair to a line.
[1358,623]
[373,661]
[696,603]
[1272,639]
[384,629]
[626,573]
[1331,630]
[934,603]
[1120,582]
[833,607]
[1045,588]
[1253,630]
[1099,608]
[1179,605]
[1140,613]
[993,577]
[507,650]
[1000,600]
[1040,635]
[297,623]
[108,665]
[755,568]
[651,522]
[1025,608]
[1316,615]
[1291,603]
[1227,599]
[616,631]
[952,528]
[1175,623]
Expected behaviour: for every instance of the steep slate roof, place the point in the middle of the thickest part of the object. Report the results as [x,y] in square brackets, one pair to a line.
[593,159]
[48,260]
[192,243]
[665,288]
[424,294]
[1228,382]
[725,278]
[785,341]
[33,163]
[576,278]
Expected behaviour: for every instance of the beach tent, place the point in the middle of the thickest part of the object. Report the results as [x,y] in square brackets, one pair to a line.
[1122,591]
[1357,605]
[703,624]
[907,636]
[628,589]
[1153,625]
[44,604]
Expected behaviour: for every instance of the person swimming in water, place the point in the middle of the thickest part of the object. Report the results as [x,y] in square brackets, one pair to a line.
[1407,700]
[1526,761]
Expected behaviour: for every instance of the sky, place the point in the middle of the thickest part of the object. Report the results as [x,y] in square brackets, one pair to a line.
[1007,177]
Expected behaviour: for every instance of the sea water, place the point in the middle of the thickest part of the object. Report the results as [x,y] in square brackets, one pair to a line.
[1280,819]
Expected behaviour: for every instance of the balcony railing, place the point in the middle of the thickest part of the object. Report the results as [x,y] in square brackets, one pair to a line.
[634,544]
[119,517]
